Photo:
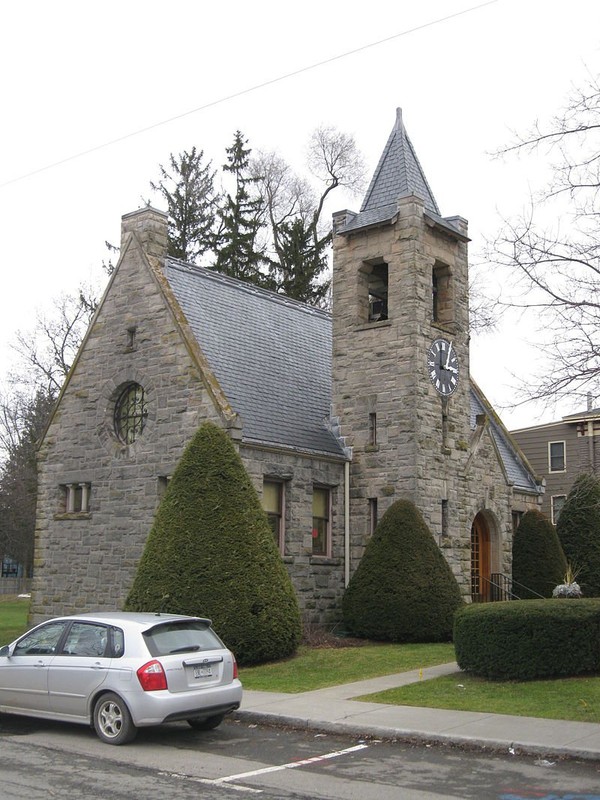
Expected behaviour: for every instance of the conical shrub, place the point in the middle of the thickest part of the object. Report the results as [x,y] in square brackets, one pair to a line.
[211,553]
[578,529]
[539,563]
[403,590]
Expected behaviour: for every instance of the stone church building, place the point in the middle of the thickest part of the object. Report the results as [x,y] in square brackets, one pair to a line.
[335,416]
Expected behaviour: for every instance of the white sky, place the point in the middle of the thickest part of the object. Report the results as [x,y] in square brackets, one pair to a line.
[77,75]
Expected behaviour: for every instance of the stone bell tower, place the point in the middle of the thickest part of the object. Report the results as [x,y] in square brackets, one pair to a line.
[401,348]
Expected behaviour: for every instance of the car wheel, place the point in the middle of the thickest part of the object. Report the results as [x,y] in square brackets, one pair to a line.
[207,724]
[112,720]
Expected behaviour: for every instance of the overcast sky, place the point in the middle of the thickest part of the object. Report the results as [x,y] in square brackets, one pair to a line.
[129,81]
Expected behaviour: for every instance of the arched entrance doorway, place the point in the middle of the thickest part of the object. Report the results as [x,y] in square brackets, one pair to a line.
[481,561]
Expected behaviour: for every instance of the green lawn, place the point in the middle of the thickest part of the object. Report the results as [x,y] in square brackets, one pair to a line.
[568,698]
[13,617]
[314,668]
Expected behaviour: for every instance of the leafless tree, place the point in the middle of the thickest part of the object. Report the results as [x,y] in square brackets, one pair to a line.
[552,250]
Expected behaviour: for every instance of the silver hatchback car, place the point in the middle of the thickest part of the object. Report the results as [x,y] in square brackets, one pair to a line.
[120,671]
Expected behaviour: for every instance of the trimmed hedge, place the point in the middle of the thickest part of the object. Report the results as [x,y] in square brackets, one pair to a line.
[403,589]
[211,553]
[539,563]
[529,639]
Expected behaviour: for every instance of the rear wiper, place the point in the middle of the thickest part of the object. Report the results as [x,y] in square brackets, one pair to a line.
[191,648]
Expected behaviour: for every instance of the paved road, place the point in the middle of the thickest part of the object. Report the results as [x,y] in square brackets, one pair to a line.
[41,760]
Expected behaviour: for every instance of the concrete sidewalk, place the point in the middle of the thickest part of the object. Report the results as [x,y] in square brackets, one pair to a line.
[334,711]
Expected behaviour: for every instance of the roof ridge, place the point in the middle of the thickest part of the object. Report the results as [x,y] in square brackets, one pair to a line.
[245,286]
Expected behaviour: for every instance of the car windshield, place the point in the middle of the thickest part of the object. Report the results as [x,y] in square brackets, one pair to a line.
[181,637]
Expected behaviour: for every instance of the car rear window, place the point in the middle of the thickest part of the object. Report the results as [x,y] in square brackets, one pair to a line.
[181,637]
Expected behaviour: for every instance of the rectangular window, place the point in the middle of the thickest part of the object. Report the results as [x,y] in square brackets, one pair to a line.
[373,429]
[444,518]
[378,293]
[272,500]
[442,310]
[556,456]
[321,521]
[557,502]
[76,498]
[372,515]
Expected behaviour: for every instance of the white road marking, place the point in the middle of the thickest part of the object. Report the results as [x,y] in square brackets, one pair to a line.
[291,765]
[253,773]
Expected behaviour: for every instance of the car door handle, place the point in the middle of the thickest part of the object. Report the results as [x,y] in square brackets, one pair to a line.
[97,665]
[39,664]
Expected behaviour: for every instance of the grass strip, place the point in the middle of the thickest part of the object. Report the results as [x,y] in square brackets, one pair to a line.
[576,699]
[317,668]
[13,617]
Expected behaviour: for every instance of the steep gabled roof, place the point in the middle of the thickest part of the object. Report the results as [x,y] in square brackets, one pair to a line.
[271,356]
[515,464]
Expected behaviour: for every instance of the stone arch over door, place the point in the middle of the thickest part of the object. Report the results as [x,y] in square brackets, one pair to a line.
[484,558]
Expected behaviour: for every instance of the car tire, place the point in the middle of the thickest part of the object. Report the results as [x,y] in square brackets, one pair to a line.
[112,720]
[207,724]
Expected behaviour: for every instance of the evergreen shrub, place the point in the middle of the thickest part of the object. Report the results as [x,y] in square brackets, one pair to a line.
[211,553]
[528,639]
[403,590]
[578,529]
[539,564]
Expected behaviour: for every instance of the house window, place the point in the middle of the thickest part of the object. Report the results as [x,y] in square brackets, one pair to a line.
[442,307]
[556,456]
[321,521]
[131,412]
[444,518]
[372,515]
[76,498]
[378,292]
[373,430]
[272,500]
[557,502]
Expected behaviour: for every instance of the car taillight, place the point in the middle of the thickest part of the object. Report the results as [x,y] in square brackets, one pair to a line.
[152,677]
[235,667]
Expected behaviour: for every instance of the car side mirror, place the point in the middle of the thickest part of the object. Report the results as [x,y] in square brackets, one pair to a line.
[4,651]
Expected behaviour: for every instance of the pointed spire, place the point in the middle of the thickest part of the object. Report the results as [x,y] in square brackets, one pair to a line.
[398,174]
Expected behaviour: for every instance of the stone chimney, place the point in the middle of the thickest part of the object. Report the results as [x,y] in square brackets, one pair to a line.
[150,225]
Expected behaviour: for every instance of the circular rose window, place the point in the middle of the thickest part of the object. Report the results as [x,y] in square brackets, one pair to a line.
[131,413]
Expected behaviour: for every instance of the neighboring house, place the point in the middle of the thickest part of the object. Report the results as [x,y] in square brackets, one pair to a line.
[559,452]
[336,416]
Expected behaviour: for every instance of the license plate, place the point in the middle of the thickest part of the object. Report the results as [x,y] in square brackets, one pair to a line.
[203,672]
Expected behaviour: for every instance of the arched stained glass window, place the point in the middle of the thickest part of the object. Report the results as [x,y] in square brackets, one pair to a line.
[131,413]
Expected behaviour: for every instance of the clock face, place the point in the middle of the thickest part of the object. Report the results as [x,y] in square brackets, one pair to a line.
[442,365]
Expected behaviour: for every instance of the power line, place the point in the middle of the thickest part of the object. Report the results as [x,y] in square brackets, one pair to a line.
[243,92]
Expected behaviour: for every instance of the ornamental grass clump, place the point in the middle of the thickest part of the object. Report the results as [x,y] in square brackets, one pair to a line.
[211,553]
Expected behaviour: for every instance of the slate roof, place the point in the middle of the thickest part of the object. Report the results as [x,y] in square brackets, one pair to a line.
[516,469]
[398,174]
[271,355]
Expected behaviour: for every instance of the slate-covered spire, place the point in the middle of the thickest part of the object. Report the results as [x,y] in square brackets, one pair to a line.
[398,173]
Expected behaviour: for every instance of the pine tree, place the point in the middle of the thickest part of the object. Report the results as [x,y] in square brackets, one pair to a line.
[578,529]
[539,563]
[238,252]
[191,204]
[211,553]
[302,260]
[403,589]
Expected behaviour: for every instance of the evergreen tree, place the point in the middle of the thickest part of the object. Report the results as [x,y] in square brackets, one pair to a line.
[238,252]
[539,563]
[22,423]
[578,529]
[191,203]
[403,589]
[302,261]
[211,553]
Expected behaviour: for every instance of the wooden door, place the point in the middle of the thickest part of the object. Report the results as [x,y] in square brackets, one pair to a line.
[480,560]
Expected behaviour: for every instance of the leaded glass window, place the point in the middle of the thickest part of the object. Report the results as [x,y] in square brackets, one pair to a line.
[131,413]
